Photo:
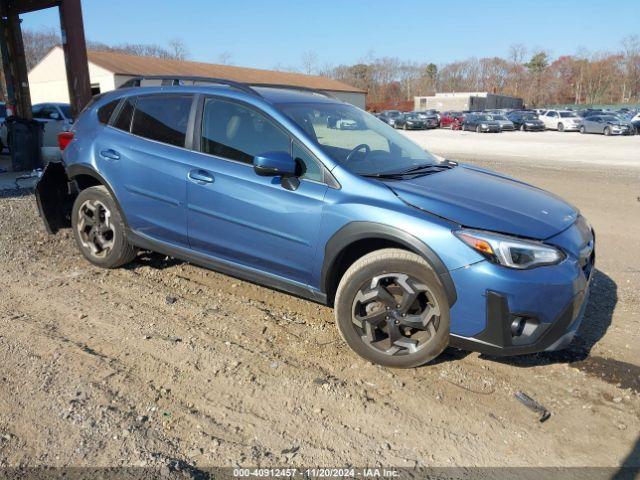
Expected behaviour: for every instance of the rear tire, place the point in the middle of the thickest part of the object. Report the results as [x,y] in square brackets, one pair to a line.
[392,309]
[99,229]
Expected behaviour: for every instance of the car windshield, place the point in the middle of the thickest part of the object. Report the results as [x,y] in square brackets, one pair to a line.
[371,148]
[610,118]
[499,117]
[66,111]
[483,118]
[567,114]
[412,116]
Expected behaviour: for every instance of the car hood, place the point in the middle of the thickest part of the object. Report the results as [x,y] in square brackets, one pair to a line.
[481,199]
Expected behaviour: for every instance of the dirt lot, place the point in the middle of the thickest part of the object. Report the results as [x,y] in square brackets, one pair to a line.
[549,146]
[163,362]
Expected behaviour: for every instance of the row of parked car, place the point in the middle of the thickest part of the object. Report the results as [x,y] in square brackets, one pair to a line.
[620,122]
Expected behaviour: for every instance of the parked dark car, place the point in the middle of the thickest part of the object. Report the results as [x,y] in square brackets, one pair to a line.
[431,119]
[390,116]
[526,121]
[634,119]
[480,123]
[451,120]
[606,125]
[412,121]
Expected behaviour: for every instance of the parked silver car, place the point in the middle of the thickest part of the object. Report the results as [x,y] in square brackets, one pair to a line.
[606,125]
[505,123]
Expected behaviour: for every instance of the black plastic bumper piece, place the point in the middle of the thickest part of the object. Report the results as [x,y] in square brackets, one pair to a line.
[497,339]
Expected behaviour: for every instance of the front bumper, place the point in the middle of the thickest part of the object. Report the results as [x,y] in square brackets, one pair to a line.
[534,128]
[501,312]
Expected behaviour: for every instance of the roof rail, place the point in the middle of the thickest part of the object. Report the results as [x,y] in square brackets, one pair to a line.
[179,80]
[294,87]
[167,80]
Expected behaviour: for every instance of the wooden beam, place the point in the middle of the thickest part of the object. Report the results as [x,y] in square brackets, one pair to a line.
[18,65]
[26,6]
[75,54]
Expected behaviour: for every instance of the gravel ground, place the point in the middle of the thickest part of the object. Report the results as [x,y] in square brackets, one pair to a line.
[165,363]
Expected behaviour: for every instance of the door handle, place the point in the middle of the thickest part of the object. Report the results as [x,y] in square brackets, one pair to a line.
[200,176]
[110,154]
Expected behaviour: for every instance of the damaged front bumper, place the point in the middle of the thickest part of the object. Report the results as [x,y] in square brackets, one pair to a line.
[54,196]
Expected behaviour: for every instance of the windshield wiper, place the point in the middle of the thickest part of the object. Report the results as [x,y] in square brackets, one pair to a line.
[415,171]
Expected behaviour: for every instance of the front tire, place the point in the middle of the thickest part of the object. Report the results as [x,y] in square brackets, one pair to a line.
[561,127]
[582,129]
[99,229]
[607,131]
[523,128]
[391,309]
[478,129]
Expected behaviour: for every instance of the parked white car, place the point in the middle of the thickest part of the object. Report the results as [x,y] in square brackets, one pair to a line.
[56,118]
[561,120]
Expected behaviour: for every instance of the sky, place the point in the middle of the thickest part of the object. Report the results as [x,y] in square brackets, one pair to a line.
[277,33]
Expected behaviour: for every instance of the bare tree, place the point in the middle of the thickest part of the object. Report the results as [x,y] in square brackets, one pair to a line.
[37,43]
[225,58]
[309,62]
[178,49]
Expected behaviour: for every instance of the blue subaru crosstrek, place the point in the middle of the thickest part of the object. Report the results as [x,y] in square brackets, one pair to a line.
[303,193]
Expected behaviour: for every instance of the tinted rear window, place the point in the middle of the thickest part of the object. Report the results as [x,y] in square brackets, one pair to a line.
[123,121]
[105,112]
[163,118]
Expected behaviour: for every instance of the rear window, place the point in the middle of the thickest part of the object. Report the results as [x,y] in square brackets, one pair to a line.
[163,118]
[123,122]
[105,112]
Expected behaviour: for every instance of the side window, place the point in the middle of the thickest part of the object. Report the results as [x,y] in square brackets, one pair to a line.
[236,132]
[123,122]
[310,169]
[36,111]
[163,118]
[50,112]
[105,112]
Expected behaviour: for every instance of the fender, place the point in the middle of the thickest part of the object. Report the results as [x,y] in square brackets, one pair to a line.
[77,169]
[355,231]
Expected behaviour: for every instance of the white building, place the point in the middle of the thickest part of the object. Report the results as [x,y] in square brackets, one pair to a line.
[108,70]
[466,101]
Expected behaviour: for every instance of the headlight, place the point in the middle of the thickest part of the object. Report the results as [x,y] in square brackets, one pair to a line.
[509,251]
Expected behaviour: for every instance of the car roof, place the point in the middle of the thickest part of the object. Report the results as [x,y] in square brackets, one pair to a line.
[272,95]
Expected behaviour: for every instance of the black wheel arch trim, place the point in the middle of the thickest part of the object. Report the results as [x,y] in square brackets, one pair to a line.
[74,171]
[362,230]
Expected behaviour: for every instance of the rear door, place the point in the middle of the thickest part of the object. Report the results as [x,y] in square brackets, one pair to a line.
[237,216]
[143,155]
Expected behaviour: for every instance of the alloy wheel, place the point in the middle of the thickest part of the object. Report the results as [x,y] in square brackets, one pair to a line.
[95,229]
[395,314]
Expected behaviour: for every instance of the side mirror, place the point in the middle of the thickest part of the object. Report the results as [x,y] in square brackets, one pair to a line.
[54,116]
[274,164]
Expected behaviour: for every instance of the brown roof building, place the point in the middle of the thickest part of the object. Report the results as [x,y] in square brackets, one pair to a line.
[109,70]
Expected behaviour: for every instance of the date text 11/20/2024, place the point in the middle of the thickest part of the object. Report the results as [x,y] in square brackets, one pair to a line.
[316,472]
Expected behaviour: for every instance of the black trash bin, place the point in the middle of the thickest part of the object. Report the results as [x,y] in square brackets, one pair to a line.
[25,142]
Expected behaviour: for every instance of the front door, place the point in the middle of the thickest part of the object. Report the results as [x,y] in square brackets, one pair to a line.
[237,216]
